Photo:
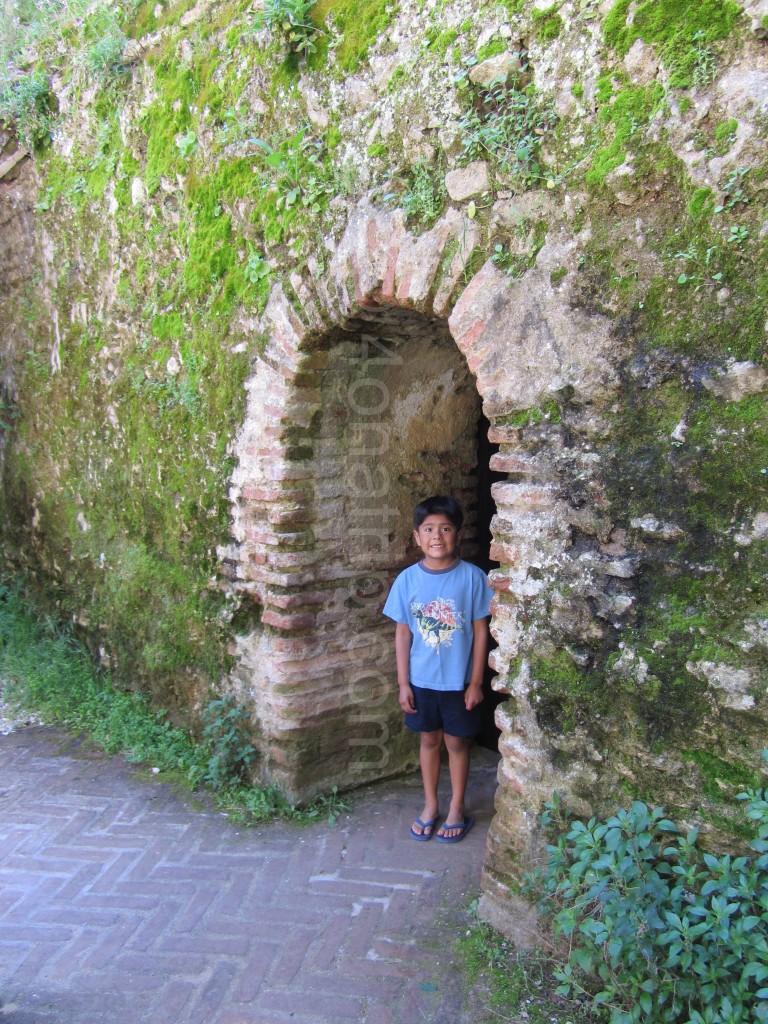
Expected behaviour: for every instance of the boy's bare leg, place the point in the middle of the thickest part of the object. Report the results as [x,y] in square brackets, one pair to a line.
[458,765]
[430,744]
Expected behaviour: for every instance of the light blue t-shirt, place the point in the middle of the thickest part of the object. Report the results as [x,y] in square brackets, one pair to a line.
[439,607]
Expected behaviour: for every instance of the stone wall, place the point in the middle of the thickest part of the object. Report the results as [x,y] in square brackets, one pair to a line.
[260,308]
[18,262]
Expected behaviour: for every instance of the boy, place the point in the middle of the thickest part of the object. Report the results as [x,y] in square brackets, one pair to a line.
[440,606]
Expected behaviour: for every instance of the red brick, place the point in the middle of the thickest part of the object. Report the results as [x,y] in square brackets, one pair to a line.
[506,554]
[504,434]
[513,463]
[257,536]
[498,580]
[251,493]
[291,623]
[526,496]
[291,601]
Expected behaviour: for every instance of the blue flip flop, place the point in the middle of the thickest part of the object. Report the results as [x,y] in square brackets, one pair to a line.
[465,826]
[422,837]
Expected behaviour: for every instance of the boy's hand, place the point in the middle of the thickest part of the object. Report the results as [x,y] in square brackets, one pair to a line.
[406,700]
[473,695]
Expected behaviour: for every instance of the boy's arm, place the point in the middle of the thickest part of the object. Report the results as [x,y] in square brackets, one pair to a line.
[474,692]
[403,659]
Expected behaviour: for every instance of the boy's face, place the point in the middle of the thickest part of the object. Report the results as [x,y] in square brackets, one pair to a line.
[439,540]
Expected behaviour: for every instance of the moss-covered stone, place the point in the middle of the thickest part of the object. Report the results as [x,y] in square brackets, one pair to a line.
[681,31]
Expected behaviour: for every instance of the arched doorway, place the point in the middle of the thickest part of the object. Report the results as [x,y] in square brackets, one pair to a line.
[315,541]
[381,412]
[361,405]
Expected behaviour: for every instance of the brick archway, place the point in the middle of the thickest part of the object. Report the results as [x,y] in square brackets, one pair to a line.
[360,401]
[348,340]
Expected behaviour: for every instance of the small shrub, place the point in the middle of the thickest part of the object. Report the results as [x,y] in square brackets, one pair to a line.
[661,931]
[226,732]
[507,125]
[291,20]
[105,59]
[27,106]
[425,197]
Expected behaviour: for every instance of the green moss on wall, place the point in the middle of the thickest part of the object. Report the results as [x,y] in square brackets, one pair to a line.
[492,48]
[682,31]
[702,205]
[721,778]
[549,412]
[725,135]
[625,113]
[547,23]
[360,23]
[124,449]
[565,695]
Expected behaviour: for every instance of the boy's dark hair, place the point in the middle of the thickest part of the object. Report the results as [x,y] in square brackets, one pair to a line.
[438,504]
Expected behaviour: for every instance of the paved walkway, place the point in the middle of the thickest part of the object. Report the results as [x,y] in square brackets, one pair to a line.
[123,903]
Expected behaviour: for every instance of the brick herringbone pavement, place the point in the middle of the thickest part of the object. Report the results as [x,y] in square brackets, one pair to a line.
[123,903]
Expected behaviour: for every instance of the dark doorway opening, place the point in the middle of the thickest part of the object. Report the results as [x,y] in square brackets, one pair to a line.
[485,510]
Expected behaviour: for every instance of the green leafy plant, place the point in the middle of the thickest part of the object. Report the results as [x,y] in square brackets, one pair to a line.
[295,181]
[256,269]
[186,143]
[660,931]
[734,190]
[237,124]
[27,106]
[738,234]
[507,124]
[700,265]
[424,198]
[300,173]
[227,735]
[290,18]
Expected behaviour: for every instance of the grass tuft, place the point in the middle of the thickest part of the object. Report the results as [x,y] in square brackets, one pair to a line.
[46,669]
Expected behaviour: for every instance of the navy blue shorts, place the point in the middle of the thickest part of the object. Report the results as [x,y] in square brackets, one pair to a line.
[443,709]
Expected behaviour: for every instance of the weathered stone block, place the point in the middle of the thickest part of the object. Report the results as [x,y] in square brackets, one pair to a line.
[469,181]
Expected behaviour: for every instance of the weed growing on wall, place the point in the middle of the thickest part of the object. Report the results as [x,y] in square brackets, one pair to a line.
[660,931]
[27,105]
[291,19]
[507,124]
[225,730]
[424,197]
[297,183]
